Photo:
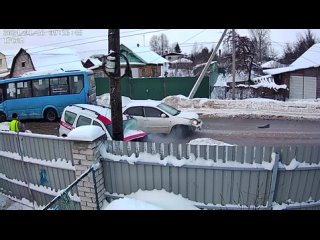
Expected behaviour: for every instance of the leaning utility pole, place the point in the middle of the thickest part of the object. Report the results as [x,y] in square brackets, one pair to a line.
[233,65]
[197,84]
[115,87]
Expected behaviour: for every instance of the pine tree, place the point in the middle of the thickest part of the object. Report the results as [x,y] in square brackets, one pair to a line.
[177,48]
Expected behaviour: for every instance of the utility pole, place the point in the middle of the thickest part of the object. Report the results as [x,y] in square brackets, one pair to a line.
[197,84]
[115,86]
[233,65]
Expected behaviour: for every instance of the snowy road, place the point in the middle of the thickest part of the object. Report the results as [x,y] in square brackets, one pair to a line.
[247,132]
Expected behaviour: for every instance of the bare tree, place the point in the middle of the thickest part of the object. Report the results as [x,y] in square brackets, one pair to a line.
[293,51]
[159,43]
[261,40]
[245,51]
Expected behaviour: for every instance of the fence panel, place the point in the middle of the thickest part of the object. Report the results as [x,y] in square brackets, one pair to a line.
[38,166]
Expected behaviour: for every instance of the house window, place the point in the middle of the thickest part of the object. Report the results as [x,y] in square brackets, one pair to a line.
[0,62]
[23,64]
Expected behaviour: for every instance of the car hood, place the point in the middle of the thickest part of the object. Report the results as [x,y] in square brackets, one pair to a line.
[133,134]
[188,115]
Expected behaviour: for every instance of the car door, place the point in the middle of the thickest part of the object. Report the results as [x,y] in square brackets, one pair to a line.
[137,113]
[156,120]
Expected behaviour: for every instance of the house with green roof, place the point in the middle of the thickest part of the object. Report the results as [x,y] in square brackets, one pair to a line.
[143,62]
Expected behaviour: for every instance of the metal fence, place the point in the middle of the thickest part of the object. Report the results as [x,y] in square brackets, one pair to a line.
[63,201]
[232,177]
[35,167]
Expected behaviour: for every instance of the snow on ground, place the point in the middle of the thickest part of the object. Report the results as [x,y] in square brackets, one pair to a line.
[208,141]
[7,204]
[151,200]
[4,126]
[260,108]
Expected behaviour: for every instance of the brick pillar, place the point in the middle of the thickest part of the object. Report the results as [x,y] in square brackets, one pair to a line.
[84,155]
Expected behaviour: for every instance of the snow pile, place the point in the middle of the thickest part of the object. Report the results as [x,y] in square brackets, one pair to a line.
[151,200]
[289,204]
[104,100]
[208,141]
[249,108]
[130,204]
[294,164]
[260,108]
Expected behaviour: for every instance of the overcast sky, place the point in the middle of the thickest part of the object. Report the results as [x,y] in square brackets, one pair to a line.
[89,41]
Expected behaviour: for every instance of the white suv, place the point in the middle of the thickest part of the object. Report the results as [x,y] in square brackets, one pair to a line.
[77,115]
[158,117]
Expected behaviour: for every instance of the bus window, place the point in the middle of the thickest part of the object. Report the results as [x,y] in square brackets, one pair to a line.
[24,89]
[76,84]
[92,81]
[59,86]
[40,87]
[11,91]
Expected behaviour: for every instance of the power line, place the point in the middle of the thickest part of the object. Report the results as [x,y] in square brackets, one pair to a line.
[75,40]
[194,35]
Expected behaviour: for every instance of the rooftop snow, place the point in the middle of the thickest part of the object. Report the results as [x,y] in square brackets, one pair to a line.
[95,62]
[49,58]
[182,60]
[271,64]
[149,56]
[311,58]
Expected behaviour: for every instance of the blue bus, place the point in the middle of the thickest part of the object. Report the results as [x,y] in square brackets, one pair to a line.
[45,96]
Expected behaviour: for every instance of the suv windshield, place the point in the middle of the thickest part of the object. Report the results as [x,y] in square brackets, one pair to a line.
[171,110]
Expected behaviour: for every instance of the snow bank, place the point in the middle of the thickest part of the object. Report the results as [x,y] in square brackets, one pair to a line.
[259,108]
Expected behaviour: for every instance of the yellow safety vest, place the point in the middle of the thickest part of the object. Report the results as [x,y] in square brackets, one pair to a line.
[14,125]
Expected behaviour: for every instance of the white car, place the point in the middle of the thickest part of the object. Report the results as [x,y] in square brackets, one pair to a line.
[158,117]
[77,115]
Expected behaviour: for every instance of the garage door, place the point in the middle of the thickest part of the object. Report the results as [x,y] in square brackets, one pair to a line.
[310,88]
[302,87]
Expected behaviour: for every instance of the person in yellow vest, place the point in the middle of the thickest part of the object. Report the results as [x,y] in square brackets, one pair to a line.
[15,124]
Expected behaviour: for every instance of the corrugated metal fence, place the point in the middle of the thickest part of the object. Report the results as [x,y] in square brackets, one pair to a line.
[217,177]
[35,167]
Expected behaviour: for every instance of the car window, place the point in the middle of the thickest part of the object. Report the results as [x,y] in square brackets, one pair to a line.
[152,112]
[95,123]
[134,111]
[69,117]
[169,109]
[83,121]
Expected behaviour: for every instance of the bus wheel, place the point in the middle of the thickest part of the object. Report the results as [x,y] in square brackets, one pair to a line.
[3,117]
[51,115]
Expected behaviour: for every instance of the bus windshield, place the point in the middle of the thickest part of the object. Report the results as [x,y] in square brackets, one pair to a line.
[45,96]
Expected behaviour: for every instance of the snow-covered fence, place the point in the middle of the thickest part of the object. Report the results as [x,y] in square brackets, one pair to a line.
[217,177]
[35,167]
